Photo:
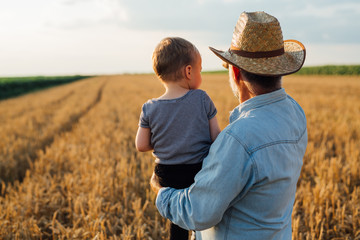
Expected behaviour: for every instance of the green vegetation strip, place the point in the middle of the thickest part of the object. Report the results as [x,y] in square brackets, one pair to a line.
[331,70]
[319,70]
[15,86]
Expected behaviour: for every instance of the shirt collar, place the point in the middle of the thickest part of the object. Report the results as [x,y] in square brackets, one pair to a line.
[257,102]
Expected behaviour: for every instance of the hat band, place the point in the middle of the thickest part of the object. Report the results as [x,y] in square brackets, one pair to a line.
[266,54]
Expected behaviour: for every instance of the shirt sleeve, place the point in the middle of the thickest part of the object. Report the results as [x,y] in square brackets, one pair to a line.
[209,106]
[228,173]
[144,118]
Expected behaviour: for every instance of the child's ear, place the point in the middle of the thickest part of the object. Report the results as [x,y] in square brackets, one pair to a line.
[188,69]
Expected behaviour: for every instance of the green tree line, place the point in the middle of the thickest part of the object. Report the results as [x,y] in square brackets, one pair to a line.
[331,70]
[15,86]
[318,70]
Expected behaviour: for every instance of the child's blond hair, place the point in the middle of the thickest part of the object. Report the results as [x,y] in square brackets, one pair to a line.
[170,55]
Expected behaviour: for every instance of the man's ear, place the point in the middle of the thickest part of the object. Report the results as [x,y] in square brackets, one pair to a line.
[237,74]
[188,69]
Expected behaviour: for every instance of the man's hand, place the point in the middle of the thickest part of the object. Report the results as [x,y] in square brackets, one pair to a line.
[154,183]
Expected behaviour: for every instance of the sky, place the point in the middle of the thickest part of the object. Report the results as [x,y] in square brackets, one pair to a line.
[66,37]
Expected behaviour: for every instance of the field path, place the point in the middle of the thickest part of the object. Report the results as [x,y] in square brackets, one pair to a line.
[35,119]
[16,107]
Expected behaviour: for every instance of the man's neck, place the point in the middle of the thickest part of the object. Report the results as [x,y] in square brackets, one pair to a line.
[246,92]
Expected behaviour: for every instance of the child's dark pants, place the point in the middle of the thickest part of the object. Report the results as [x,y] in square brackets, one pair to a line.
[177,176]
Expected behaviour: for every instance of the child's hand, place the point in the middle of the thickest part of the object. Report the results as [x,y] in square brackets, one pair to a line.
[154,183]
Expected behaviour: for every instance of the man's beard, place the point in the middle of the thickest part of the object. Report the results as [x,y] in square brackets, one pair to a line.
[233,86]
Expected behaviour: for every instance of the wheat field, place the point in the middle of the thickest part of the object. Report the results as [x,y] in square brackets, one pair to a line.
[69,168]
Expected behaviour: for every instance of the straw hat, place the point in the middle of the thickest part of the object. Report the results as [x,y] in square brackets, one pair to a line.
[258,47]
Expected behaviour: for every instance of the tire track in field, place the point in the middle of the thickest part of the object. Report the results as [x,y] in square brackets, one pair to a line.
[53,103]
[27,156]
[62,99]
[50,104]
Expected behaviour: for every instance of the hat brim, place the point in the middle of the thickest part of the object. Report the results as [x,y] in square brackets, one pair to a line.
[289,62]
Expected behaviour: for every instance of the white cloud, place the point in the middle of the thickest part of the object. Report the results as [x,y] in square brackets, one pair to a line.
[114,8]
[74,14]
[325,36]
[328,11]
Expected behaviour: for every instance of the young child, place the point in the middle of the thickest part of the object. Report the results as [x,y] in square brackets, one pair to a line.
[180,125]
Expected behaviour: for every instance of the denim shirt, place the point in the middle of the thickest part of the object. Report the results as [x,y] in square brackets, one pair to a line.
[246,188]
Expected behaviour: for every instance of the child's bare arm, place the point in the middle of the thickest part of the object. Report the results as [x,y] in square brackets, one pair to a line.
[214,128]
[142,141]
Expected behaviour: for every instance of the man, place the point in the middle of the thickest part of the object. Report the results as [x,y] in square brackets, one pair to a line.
[246,188]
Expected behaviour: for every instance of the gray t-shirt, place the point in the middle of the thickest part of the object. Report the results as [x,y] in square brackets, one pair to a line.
[180,131]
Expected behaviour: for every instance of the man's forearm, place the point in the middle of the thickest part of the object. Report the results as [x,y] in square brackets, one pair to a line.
[177,206]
